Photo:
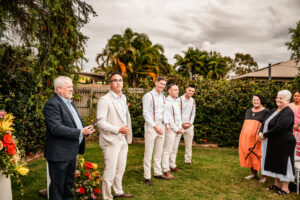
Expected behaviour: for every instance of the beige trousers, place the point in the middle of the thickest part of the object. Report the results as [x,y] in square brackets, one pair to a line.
[174,151]
[188,136]
[115,157]
[168,148]
[153,141]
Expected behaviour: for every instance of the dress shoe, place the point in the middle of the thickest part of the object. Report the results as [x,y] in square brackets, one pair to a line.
[124,195]
[148,182]
[175,169]
[168,175]
[162,177]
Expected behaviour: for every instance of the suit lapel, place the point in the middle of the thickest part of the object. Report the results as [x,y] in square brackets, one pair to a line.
[116,107]
[66,108]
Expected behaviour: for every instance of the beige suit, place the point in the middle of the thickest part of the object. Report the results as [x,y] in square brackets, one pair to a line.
[113,144]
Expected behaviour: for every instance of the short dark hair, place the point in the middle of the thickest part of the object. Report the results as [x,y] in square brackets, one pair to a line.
[191,86]
[170,85]
[295,91]
[114,73]
[161,78]
[262,100]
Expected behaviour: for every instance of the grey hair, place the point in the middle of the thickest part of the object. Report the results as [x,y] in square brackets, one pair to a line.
[286,93]
[59,81]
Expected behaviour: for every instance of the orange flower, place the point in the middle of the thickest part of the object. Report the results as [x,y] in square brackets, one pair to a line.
[7,139]
[11,149]
[87,173]
[88,165]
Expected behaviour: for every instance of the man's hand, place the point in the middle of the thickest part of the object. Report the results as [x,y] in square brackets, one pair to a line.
[88,130]
[186,125]
[179,131]
[124,130]
[167,128]
[158,130]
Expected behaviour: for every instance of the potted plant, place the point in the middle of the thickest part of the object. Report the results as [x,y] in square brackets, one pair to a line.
[11,165]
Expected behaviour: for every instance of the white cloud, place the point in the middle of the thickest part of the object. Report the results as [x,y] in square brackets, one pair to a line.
[227,26]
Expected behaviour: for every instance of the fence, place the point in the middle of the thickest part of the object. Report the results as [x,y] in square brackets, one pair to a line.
[88,95]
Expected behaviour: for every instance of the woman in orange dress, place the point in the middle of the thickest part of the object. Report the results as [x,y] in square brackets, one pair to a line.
[249,144]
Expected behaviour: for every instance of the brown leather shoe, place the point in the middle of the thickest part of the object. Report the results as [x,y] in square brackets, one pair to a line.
[162,177]
[175,169]
[169,175]
[148,182]
[124,195]
[188,163]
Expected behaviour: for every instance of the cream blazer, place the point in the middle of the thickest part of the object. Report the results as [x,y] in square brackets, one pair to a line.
[110,122]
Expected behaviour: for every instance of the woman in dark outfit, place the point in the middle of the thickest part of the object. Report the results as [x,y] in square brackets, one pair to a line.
[279,157]
[249,136]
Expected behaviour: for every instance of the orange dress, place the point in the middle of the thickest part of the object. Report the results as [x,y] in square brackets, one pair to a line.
[249,145]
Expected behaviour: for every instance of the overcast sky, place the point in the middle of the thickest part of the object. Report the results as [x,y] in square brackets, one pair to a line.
[227,26]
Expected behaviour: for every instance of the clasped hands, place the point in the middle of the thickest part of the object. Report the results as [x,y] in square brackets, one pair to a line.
[88,130]
[261,136]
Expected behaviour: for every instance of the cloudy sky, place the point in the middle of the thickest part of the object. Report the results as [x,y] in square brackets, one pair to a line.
[227,26]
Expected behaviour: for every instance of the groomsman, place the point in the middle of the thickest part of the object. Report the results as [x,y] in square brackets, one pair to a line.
[173,118]
[188,111]
[153,112]
[115,135]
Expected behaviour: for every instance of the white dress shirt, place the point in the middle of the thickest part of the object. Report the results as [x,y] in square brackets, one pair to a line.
[187,108]
[121,105]
[159,101]
[173,105]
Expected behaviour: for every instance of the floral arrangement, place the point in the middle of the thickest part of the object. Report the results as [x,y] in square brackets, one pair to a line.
[87,181]
[10,156]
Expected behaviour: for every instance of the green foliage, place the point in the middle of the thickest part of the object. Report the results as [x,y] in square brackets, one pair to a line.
[210,65]
[221,107]
[134,55]
[294,44]
[243,64]
[50,29]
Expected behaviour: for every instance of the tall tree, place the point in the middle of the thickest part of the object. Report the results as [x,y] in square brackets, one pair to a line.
[242,64]
[294,44]
[134,55]
[211,65]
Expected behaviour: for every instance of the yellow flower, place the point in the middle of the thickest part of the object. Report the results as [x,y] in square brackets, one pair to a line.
[95,166]
[23,170]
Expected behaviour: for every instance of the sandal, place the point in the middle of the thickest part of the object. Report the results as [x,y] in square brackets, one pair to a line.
[282,192]
[274,187]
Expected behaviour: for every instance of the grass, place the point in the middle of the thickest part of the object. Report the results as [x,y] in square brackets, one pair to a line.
[215,174]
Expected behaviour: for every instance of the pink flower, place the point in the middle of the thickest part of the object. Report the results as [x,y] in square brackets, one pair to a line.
[2,114]
[86,197]
[78,190]
[9,132]
[93,196]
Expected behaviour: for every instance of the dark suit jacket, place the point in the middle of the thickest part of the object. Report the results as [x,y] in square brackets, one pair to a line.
[62,137]
[281,141]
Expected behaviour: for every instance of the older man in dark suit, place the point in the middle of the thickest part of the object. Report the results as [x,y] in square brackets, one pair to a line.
[64,139]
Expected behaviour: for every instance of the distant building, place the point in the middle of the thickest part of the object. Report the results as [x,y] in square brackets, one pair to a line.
[283,71]
[90,78]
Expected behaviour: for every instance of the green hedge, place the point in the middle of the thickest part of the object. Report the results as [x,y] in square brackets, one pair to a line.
[221,107]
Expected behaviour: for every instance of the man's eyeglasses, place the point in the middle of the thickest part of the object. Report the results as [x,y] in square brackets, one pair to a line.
[116,80]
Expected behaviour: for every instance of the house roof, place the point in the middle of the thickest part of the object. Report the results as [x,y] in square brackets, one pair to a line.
[92,75]
[281,71]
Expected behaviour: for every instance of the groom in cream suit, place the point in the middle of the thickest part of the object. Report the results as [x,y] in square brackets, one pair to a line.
[115,135]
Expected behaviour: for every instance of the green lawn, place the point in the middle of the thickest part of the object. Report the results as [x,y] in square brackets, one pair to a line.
[215,174]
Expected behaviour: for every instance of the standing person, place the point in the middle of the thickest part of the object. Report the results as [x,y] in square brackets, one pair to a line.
[115,135]
[188,112]
[249,137]
[295,106]
[153,112]
[173,118]
[278,158]
[64,139]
